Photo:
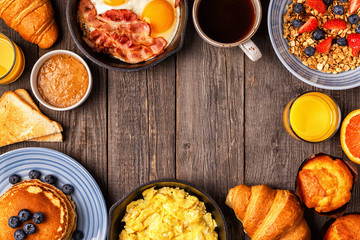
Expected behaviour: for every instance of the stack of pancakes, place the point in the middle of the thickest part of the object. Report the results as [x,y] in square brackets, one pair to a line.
[36,196]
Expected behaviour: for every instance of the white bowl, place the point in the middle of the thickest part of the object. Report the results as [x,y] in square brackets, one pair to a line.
[34,75]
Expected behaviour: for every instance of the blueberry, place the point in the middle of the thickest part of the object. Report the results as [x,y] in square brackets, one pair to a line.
[328,2]
[297,23]
[357,29]
[29,228]
[343,1]
[309,51]
[353,19]
[24,215]
[34,174]
[77,235]
[341,41]
[298,8]
[339,10]
[38,218]
[14,222]
[19,234]
[68,189]
[13,179]
[318,34]
[51,179]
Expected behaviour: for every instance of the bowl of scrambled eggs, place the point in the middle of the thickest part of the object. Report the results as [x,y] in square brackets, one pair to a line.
[166,209]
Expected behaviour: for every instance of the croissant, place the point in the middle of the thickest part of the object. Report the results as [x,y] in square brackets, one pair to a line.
[32,19]
[268,214]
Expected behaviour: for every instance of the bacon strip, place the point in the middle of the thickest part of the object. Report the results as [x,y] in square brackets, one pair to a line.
[119,33]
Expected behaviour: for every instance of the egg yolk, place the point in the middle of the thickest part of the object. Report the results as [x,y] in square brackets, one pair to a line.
[114,2]
[160,15]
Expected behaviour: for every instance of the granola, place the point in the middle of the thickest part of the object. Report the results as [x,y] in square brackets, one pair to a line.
[339,58]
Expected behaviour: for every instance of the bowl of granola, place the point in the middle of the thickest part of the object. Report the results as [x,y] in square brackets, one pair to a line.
[318,41]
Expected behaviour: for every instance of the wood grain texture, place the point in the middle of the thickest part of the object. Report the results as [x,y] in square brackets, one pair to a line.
[161,87]
[128,149]
[348,102]
[141,116]
[31,55]
[206,115]
[272,157]
[209,119]
[85,128]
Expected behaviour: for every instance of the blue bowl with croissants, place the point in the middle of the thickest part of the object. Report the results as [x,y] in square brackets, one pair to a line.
[132,36]
[120,208]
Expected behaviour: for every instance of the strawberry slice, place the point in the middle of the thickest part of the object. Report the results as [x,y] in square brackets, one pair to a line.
[354,5]
[324,46]
[318,5]
[354,43]
[310,25]
[335,24]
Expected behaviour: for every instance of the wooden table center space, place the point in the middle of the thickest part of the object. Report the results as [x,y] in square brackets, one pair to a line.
[206,115]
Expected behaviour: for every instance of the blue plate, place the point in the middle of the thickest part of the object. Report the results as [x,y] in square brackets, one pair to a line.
[90,203]
[340,81]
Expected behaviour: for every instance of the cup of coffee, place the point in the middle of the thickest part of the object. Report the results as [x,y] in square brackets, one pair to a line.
[229,23]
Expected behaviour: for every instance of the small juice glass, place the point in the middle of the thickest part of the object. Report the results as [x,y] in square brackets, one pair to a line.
[312,117]
[12,60]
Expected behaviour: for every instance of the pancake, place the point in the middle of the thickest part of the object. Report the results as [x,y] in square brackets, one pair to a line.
[36,196]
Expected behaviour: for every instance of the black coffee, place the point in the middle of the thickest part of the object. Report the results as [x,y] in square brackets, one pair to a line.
[226,21]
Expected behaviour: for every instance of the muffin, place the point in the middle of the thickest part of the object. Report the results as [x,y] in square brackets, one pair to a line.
[344,228]
[324,183]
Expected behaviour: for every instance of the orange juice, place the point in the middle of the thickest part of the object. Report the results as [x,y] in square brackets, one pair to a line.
[312,117]
[12,60]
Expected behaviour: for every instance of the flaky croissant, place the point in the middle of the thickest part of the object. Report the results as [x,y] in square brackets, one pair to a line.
[32,19]
[268,214]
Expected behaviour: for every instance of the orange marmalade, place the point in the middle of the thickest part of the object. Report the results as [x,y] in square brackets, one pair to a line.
[62,81]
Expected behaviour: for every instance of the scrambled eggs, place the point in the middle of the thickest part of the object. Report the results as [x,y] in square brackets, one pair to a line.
[168,213]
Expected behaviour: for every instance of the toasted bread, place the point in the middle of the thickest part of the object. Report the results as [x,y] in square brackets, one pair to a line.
[20,122]
[56,137]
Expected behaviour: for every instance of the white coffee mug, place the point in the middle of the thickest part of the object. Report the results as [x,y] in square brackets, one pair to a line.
[248,46]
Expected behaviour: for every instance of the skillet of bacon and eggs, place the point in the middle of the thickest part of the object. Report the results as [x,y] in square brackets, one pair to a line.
[130,30]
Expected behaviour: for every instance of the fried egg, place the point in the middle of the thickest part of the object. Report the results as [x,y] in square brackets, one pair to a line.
[162,16]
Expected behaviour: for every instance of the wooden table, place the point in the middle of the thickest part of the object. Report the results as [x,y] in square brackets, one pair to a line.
[206,115]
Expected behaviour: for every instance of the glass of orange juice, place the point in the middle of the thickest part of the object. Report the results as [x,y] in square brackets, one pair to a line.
[312,117]
[12,60]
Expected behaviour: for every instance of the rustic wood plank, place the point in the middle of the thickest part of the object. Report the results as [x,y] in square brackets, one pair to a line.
[206,116]
[162,100]
[31,54]
[141,143]
[209,141]
[348,102]
[85,128]
[272,157]
[128,149]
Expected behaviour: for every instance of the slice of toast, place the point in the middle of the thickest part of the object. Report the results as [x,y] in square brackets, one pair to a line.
[20,122]
[56,137]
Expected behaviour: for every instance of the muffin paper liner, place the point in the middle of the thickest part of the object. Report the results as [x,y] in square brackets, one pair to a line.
[340,211]
[326,226]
